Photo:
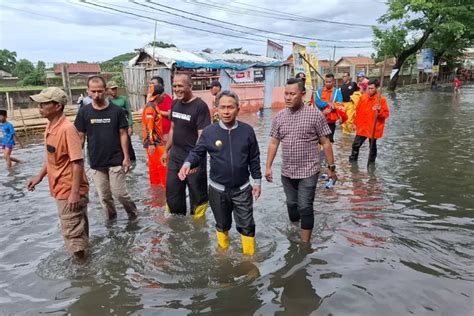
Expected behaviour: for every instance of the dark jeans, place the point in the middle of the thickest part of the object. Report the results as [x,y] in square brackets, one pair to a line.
[300,198]
[176,189]
[332,127]
[358,141]
[239,202]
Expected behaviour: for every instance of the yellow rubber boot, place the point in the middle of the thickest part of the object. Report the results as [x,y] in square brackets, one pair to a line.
[200,211]
[248,245]
[223,239]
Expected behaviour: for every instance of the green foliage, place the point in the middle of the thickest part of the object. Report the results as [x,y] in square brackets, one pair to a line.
[116,64]
[161,44]
[118,78]
[237,50]
[23,68]
[37,77]
[7,60]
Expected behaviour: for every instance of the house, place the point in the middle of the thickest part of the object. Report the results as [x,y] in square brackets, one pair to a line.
[355,64]
[78,74]
[6,79]
[83,69]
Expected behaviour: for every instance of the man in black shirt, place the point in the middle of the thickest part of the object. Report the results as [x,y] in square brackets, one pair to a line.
[105,127]
[347,89]
[189,116]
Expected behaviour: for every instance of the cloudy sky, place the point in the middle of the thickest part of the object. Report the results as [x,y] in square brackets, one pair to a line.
[72,30]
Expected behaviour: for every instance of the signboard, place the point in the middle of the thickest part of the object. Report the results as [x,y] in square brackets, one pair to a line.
[435,69]
[419,62]
[258,75]
[274,50]
[244,76]
[427,54]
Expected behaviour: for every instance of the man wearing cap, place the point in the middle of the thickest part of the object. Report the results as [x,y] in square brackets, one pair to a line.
[64,166]
[105,127]
[215,89]
[121,101]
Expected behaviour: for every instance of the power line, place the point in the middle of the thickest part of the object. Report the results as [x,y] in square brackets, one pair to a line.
[295,18]
[238,25]
[61,19]
[186,26]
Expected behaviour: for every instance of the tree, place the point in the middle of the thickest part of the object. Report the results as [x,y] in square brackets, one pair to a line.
[413,22]
[237,50]
[7,60]
[161,44]
[23,68]
[116,64]
[37,77]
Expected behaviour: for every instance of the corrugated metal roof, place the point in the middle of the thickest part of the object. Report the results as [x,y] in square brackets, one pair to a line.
[187,59]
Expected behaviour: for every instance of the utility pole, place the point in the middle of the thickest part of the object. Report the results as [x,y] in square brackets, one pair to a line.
[154,42]
[333,59]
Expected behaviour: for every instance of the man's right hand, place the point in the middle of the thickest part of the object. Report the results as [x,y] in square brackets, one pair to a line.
[183,173]
[164,159]
[269,175]
[32,183]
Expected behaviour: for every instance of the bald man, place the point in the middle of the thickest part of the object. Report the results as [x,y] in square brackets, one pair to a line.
[189,116]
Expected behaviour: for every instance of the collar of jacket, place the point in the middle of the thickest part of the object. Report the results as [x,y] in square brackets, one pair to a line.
[222,125]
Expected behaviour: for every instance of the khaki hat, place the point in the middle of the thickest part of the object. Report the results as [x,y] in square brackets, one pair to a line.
[111,85]
[50,94]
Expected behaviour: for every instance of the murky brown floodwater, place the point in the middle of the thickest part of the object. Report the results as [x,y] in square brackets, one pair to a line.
[396,240]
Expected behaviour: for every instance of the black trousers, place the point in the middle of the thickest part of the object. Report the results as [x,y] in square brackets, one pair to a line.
[358,141]
[239,202]
[131,152]
[332,127]
[176,189]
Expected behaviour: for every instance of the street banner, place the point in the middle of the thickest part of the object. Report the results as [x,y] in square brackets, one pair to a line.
[427,54]
[274,50]
[244,76]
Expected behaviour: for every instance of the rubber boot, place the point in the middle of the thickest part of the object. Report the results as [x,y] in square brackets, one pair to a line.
[248,245]
[200,211]
[223,239]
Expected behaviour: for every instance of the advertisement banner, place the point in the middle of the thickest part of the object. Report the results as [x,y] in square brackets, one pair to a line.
[312,54]
[274,50]
[419,62]
[436,70]
[427,54]
[244,76]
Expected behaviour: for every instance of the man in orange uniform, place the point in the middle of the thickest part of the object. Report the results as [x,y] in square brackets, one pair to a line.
[364,120]
[329,101]
[153,140]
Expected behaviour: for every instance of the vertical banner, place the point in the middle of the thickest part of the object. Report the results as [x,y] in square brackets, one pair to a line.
[298,63]
[427,54]
[274,50]
[312,54]
[419,62]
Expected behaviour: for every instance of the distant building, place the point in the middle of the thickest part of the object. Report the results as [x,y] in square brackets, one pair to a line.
[78,74]
[359,63]
[6,79]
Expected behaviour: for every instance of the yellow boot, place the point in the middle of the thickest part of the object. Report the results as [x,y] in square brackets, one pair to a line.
[200,211]
[248,245]
[223,239]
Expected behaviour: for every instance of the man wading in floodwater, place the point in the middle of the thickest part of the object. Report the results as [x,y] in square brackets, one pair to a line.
[299,128]
[235,155]
[64,166]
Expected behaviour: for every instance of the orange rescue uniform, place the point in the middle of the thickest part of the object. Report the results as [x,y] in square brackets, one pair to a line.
[365,114]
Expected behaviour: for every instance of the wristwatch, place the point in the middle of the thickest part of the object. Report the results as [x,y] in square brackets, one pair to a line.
[332,167]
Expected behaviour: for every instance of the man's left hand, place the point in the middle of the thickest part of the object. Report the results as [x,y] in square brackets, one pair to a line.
[73,201]
[130,131]
[332,175]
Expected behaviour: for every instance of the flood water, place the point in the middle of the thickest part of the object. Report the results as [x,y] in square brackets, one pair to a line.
[397,239]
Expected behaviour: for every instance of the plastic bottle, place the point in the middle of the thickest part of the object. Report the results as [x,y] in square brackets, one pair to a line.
[330,184]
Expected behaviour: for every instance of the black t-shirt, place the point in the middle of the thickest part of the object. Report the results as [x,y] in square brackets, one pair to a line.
[102,129]
[347,90]
[187,118]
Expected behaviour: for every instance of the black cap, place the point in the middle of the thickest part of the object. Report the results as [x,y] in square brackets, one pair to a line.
[3,112]
[215,83]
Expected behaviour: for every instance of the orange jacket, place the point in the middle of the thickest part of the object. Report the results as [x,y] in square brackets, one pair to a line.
[323,96]
[365,114]
[152,126]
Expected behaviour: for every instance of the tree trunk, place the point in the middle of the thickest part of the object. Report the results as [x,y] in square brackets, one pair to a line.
[392,85]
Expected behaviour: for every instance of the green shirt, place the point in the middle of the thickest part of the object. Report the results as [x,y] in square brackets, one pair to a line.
[122,102]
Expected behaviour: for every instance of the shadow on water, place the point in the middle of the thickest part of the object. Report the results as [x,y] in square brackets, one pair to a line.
[393,239]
